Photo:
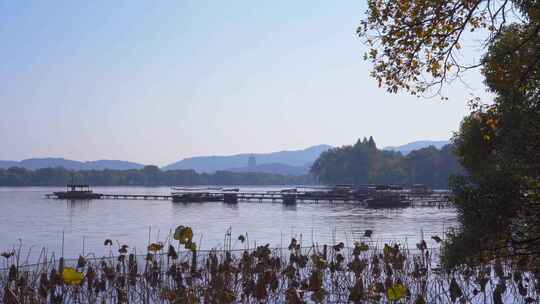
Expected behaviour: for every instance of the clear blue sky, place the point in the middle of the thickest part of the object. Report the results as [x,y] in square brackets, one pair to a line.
[156,81]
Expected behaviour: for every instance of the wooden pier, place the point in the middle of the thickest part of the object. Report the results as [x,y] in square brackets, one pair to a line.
[136,197]
[124,196]
[441,198]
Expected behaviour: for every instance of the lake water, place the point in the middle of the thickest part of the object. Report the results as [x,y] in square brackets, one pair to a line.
[27,218]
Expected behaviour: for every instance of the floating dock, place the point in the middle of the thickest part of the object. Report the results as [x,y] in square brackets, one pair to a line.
[123,196]
[438,198]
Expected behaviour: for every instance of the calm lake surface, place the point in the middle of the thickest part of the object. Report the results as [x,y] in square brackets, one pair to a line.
[27,218]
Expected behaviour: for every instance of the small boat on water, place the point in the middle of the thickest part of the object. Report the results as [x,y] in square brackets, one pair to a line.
[292,190]
[421,189]
[388,187]
[196,194]
[342,189]
[196,197]
[197,188]
[77,192]
[388,200]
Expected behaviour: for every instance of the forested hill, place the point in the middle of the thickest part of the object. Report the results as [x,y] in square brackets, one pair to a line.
[363,163]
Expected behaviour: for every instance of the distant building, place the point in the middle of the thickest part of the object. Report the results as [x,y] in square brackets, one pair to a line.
[252,163]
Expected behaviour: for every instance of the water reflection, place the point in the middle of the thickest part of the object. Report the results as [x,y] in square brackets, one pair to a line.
[78,203]
[231,206]
[289,207]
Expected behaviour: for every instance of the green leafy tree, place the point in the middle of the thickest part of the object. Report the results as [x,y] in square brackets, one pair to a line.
[499,145]
[148,176]
[414,46]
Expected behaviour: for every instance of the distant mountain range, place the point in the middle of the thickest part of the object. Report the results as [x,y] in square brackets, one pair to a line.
[284,162]
[49,162]
[415,145]
[295,162]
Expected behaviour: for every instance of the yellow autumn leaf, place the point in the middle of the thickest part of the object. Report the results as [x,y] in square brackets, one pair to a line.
[396,292]
[72,276]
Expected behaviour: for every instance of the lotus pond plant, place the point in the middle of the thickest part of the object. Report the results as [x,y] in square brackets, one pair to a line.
[175,271]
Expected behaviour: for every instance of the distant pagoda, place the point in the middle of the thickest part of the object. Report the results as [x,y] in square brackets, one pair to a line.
[252,162]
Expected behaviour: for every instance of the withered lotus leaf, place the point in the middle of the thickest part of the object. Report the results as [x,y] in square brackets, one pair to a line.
[183,234]
[154,247]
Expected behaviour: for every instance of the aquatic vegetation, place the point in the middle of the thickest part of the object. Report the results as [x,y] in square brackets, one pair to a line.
[72,276]
[174,271]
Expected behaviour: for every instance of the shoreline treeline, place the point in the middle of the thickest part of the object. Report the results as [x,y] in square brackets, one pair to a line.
[363,163]
[148,176]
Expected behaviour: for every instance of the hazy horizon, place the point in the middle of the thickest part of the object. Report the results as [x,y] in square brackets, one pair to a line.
[153,83]
[202,155]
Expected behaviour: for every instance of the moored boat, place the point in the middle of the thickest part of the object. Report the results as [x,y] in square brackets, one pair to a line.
[196,197]
[388,200]
[77,192]
[421,189]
